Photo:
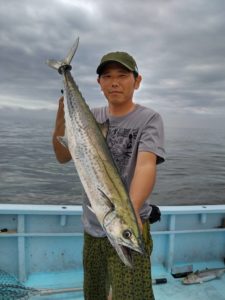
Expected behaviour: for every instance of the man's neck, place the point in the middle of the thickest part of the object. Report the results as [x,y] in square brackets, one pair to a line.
[121,110]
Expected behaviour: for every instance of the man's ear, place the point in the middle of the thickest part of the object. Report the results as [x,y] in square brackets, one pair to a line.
[98,81]
[138,80]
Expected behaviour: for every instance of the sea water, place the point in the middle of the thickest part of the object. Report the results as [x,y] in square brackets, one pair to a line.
[193,173]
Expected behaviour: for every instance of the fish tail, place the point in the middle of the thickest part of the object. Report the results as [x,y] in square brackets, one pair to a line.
[64,64]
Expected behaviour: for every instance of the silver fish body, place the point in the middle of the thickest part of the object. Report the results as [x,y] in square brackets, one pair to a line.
[107,194]
[203,276]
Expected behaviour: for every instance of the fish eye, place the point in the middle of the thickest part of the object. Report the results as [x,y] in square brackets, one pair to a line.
[127,234]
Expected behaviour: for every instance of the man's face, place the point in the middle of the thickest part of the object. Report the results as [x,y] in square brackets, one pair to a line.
[118,83]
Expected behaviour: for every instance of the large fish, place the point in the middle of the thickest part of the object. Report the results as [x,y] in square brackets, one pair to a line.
[108,196]
[202,276]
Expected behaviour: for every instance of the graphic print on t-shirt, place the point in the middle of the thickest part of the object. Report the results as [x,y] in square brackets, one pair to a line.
[121,142]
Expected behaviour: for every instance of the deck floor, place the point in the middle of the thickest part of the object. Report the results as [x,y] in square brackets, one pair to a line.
[173,289]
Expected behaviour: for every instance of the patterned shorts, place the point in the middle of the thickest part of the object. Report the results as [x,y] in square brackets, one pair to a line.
[103,268]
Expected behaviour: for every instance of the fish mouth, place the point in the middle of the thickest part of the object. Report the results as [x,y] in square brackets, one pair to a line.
[126,250]
[127,253]
[127,256]
[139,247]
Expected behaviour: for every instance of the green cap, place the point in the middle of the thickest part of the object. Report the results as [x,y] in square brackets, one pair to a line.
[123,58]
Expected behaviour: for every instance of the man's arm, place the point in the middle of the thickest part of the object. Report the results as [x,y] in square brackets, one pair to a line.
[62,154]
[143,180]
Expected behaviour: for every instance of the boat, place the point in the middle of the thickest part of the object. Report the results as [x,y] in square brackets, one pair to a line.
[41,245]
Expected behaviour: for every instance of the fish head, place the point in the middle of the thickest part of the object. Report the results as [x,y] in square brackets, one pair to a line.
[124,236]
[191,278]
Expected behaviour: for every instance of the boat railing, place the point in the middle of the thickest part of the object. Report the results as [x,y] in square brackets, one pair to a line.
[37,236]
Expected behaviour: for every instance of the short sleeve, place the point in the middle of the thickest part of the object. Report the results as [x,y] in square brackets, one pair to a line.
[152,138]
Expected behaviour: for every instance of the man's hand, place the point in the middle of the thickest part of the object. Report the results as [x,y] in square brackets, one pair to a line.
[62,154]
[60,121]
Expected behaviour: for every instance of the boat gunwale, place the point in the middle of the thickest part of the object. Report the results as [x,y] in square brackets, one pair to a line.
[77,209]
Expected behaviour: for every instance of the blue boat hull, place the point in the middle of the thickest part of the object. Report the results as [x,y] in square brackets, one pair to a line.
[42,246]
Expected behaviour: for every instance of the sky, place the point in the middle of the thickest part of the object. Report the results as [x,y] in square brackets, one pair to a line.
[179,46]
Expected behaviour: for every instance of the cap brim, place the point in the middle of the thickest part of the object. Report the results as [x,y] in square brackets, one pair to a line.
[102,65]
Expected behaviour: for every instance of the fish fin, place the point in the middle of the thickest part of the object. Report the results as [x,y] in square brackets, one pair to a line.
[57,64]
[71,52]
[109,202]
[91,209]
[220,274]
[104,127]
[63,140]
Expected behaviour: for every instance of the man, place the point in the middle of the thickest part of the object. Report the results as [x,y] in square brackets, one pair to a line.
[136,142]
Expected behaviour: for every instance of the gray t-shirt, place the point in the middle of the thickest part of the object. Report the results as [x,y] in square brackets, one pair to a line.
[139,130]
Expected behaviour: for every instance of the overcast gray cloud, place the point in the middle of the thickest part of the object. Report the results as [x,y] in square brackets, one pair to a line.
[179,46]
